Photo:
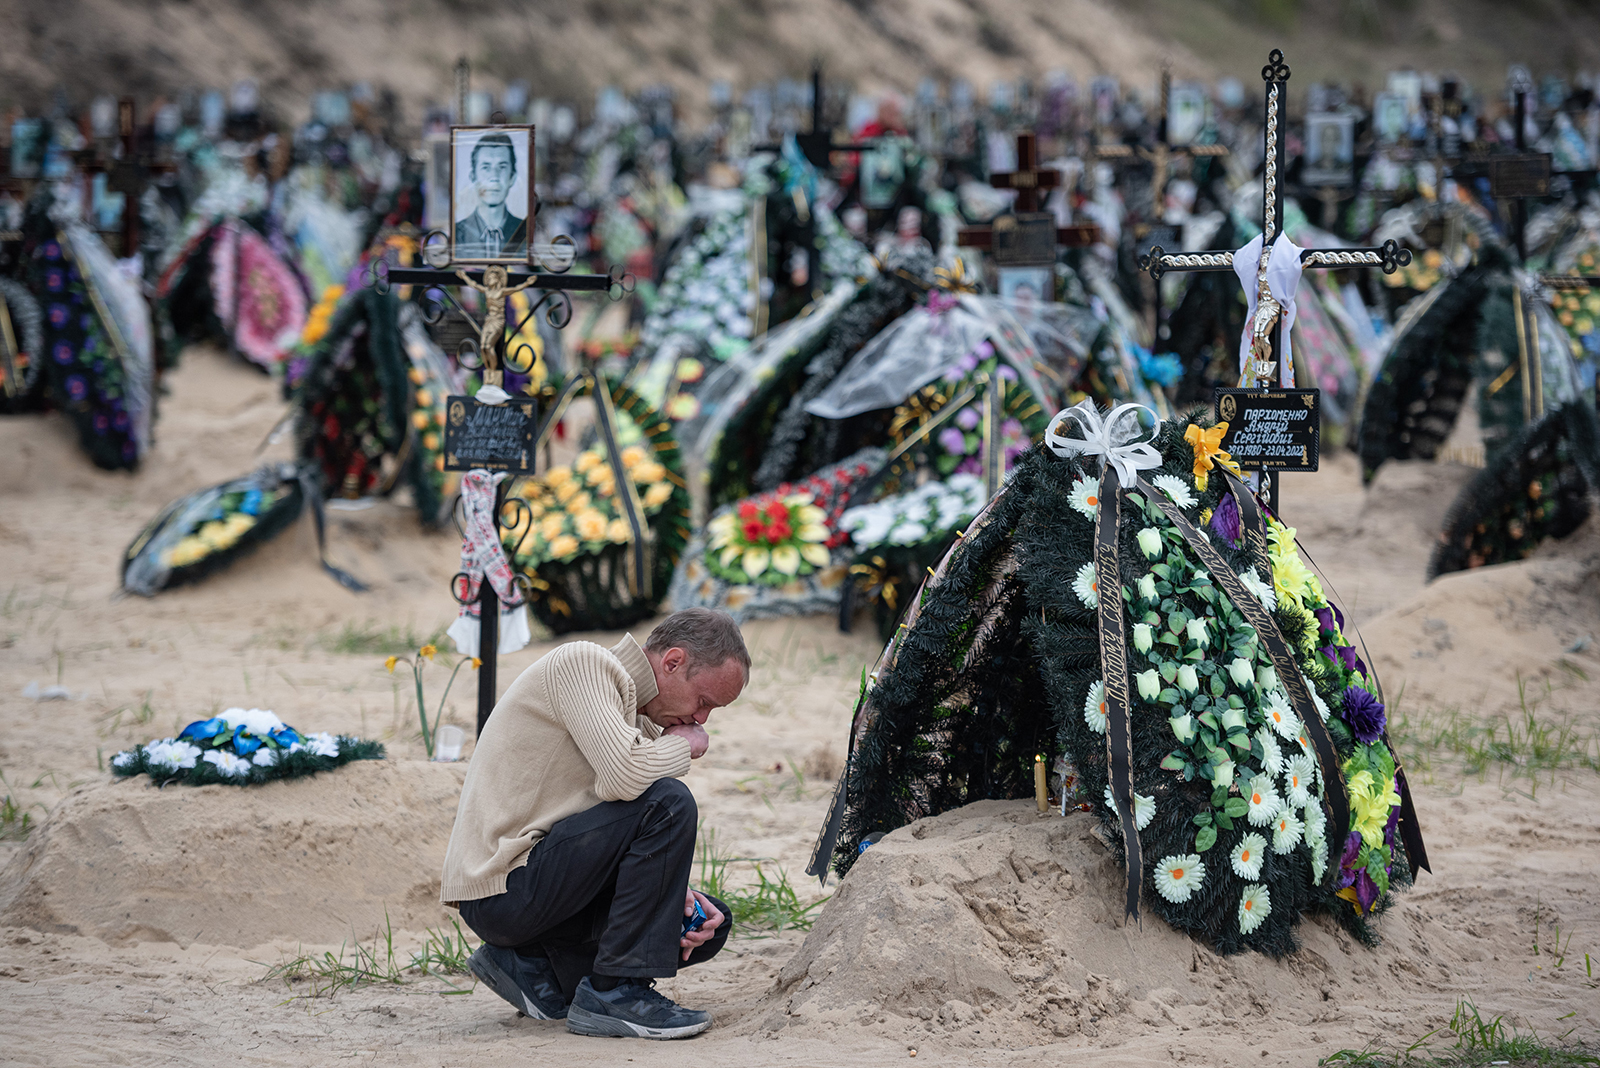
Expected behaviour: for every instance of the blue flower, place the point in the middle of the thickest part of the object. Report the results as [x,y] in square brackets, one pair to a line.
[251,505]
[202,729]
[285,737]
[58,315]
[77,388]
[62,352]
[245,743]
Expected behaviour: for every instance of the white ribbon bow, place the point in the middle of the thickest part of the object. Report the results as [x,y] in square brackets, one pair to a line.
[1112,437]
[1283,277]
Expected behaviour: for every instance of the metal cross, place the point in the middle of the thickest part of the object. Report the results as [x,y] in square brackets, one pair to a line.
[1027,180]
[1266,326]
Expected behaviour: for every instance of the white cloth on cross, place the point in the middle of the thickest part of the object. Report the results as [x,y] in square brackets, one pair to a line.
[1283,278]
[483,558]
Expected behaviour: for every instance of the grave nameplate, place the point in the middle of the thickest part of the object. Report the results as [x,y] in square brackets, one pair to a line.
[1025,239]
[1274,430]
[494,437]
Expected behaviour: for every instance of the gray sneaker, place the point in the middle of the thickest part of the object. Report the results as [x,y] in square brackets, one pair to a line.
[632,1009]
[528,983]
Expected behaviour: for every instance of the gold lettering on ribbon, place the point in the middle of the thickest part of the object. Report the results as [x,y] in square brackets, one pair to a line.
[1114,668]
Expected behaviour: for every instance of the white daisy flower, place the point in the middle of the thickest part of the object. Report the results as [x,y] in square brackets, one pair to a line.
[1319,857]
[1279,716]
[1175,488]
[1263,801]
[1177,877]
[322,744]
[1287,830]
[1144,808]
[1297,780]
[228,765]
[1271,753]
[1261,591]
[169,755]
[1322,706]
[1086,586]
[1085,497]
[1255,905]
[1094,708]
[1248,856]
[1316,821]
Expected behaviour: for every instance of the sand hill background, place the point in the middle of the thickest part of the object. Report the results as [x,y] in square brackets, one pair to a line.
[568,50]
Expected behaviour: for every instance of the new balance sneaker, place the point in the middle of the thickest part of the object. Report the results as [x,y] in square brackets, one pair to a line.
[528,983]
[632,1009]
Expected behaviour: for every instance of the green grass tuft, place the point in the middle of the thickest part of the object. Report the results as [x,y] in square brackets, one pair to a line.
[1477,1042]
[770,906]
[354,964]
[1523,743]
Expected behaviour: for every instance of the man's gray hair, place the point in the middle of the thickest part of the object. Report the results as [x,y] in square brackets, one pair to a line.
[710,638]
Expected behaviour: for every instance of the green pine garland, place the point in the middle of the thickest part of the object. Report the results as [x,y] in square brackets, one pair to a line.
[136,761]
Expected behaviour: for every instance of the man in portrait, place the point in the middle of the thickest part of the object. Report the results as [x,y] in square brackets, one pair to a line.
[492,231]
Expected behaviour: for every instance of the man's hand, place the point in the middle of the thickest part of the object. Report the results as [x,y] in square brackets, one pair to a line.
[714,916]
[696,735]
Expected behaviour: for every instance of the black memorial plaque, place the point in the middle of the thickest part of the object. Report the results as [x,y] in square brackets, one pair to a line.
[494,437]
[1027,239]
[1520,176]
[1274,429]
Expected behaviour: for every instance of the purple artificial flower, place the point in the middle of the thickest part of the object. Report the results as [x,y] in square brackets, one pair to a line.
[1352,851]
[968,418]
[1325,619]
[77,389]
[101,422]
[953,441]
[1011,428]
[1225,521]
[969,466]
[52,250]
[1364,713]
[1390,827]
[968,363]
[954,373]
[1007,373]
[940,302]
[985,349]
[58,315]
[1366,891]
[119,420]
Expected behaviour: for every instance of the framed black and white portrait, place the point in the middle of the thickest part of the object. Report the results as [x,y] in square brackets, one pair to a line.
[1330,149]
[491,193]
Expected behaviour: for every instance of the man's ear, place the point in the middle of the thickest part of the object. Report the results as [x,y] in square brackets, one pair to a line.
[673,660]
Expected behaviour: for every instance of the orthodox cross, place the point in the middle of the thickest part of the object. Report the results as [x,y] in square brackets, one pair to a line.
[1265,326]
[129,173]
[1163,153]
[1027,180]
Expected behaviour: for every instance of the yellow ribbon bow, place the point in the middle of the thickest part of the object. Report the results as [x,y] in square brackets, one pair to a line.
[1207,445]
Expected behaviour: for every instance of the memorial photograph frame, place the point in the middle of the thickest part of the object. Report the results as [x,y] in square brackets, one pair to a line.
[475,180]
[1330,148]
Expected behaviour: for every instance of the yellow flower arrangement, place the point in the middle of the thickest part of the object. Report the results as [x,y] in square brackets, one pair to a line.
[1290,576]
[1207,445]
[321,316]
[590,525]
[563,547]
[619,532]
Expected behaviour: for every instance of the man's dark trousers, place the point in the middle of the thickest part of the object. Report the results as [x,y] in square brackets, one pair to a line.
[603,892]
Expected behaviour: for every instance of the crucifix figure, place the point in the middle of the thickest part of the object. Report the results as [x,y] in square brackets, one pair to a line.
[1270,265]
[491,335]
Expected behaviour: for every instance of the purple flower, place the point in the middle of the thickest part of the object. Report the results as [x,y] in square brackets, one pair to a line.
[1011,429]
[1394,822]
[58,315]
[101,422]
[954,373]
[1352,851]
[77,388]
[969,466]
[967,418]
[1225,520]
[1364,713]
[52,250]
[984,350]
[953,441]
[55,281]
[120,420]
[1007,373]
[968,363]
[1366,891]
[1325,619]
[62,352]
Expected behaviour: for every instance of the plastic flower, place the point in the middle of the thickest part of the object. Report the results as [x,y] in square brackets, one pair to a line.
[1267,677]
[1280,717]
[1255,905]
[1319,856]
[1322,706]
[1261,591]
[1143,637]
[1175,488]
[1149,684]
[1178,877]
[1147,587]
[1242,672]
[1196,631]
[322,744]
[1150,542]
[264,757]
[563,546]
[1144,808]
[427,652]
[1085,498]
[618,531]
[1297,781]
[657,495]
[1188,679]
[1316,822]
[1183,728]
[1222,774]
[786,559]
[1286,831]
[390,662]
[1364,713]
[1248,855]
[1370,802]
[1094,708]
[1085,586]
[124,758]
[171,755]
[258,721]
[227,765]
[1207,445]
[1226,520]
[1263,801]
[1271,754]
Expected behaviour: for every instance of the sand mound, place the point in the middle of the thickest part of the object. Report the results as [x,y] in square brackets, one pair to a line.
[310,860]
[993,926]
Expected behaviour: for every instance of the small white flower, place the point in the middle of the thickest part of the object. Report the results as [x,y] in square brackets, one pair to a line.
[228,765]
[1316,821]
[1248,855]
[124,758]
[1086,586]
[1279,716]
[1267,677]
[322,744]
[1261,591]
[1175,488]
[1297,780]
[1263,800]
[1271,754]
[1286,831]
[1178,877]
[1255,905]
[1322,706]
[1085,497]
[1222,774]
[1094,708]
[1319,857]
[1144,637]
[1150,542]
[169,755]
[1149,684]
[1144,808]
[1188,680]
[1242,673]
[1147,587]
[1196,630]
[1183,728]
[258,721]
[264,757]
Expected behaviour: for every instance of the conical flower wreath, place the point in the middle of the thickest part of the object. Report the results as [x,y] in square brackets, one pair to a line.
[1127,605]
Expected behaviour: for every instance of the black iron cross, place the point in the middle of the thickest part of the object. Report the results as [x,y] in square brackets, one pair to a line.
[1390,256]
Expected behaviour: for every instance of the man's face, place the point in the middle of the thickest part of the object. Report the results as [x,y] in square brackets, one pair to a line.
[690,696]
[493,173]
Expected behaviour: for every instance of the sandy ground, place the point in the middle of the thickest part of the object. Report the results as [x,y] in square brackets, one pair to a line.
[1513,856]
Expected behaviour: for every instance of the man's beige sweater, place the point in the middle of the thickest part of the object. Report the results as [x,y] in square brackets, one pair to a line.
[566,736]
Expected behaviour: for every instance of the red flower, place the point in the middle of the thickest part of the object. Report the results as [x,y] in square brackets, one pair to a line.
[753,531]
[778,533]
[748,511]
[777,512]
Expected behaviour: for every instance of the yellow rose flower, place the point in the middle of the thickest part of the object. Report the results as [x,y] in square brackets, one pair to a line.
[419,419]
[415,375]
[650,471]
[657,495]
[598,476]
[590,525]
[618,531]
[558,476]
[565,492]
[633,456]
[586,461]
[424,399]
[551,526]
[564,547]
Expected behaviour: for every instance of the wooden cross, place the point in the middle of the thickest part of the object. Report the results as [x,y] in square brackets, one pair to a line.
[129,173]
[1027,180]
[1163,153]
[1266,327]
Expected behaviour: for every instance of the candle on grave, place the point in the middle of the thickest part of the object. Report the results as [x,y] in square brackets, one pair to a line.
[1041,796]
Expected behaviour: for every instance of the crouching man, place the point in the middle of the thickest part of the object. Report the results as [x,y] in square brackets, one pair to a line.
[574,835]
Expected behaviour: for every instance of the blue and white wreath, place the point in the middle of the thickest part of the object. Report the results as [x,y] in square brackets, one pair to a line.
[241,747]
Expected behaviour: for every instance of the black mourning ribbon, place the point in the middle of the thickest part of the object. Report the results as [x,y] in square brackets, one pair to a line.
[311,490]
[1114,672]
[1335,802]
